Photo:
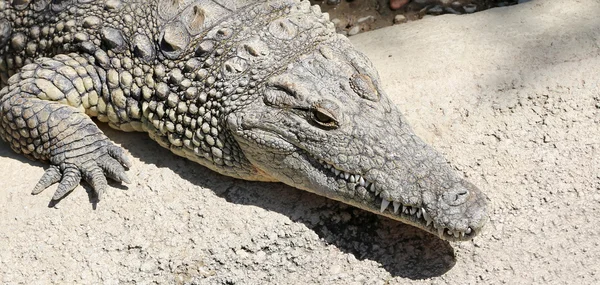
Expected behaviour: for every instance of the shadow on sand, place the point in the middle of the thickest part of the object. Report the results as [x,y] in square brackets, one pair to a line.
[402,250]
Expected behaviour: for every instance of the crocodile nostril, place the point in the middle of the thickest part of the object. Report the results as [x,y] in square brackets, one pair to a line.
[460,194]
[456,196]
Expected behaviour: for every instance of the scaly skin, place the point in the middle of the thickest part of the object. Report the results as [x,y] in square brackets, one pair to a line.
[262,91]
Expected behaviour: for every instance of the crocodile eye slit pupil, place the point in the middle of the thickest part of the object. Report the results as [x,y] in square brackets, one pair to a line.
[322,118]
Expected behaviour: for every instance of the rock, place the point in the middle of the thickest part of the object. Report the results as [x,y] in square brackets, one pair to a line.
[399,19]
[355,30]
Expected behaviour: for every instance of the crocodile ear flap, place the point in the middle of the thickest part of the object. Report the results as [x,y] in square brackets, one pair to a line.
[279,97]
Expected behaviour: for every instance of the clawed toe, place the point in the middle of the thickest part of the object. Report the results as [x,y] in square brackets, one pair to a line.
[119,154]
[70,179]
[51,176]
[94,176]
[112,164]
[113,169]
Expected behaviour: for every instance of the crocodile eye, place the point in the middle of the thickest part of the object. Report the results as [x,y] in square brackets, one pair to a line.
[324,118]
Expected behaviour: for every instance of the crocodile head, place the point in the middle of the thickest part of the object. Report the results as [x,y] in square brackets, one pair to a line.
[323,124]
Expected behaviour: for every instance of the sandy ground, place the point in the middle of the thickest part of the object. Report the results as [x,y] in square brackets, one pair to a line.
[510,95]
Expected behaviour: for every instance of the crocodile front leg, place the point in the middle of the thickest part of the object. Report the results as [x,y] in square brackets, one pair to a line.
[43,115]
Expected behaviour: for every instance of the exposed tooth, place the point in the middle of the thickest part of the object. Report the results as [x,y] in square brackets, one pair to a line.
[370,186]
[346,175]
[462,234]
[469,230]
[429,223]
[361,181]
[396,207]
[440,232]
[450,233]
[419,213]
[337,172]
[425,215]
[413,210]
[384,204]
[352,179]
[456,234]
[406,209]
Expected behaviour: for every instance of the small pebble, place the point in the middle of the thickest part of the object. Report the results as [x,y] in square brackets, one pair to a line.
[367,18]
[399,19]
[355,30]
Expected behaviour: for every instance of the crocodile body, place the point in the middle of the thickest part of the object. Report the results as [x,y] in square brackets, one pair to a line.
[263,91]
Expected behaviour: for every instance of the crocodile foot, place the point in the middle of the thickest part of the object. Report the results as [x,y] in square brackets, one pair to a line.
[105,160]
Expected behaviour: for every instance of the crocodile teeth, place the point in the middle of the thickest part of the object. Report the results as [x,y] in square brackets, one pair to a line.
[417,212]
[384,204]
[375,189]
[440,232]
[396,207]
[361,181]
[349,177]
[413,210]
[425,215]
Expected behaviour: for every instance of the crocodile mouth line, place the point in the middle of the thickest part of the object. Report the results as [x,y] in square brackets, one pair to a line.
[414,214]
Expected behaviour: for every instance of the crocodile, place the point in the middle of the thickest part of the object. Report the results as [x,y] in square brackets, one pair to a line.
[257,90]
